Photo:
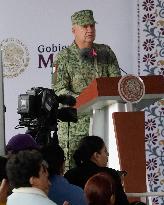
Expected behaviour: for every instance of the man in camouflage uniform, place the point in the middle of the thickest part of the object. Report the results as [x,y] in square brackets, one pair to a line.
[76,66]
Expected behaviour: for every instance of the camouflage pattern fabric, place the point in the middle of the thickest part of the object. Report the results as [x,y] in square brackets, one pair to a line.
[74,71]
[83,17]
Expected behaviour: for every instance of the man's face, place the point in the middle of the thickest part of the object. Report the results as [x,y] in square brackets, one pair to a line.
[41,182]
[84,34]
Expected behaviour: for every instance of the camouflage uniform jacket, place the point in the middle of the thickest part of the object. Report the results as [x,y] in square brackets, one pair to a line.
[74,72]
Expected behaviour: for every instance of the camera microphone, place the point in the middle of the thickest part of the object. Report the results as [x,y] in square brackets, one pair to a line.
[67,100]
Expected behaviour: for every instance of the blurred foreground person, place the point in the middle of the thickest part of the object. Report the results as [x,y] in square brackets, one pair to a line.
[27,174]
[100,189]
[4,188]
[61,190]
[16,143]
[91,157]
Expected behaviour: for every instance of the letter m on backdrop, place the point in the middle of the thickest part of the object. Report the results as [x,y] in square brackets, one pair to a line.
[43,62]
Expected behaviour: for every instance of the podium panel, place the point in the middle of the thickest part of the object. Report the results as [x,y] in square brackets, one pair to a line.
[130,139]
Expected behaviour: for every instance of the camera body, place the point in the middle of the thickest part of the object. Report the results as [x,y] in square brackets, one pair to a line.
[41,109]
[40,106]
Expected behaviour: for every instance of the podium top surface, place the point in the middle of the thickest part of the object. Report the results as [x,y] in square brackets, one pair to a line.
[104,91]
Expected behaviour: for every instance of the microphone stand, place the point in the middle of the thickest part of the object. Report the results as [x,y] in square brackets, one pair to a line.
[123,71]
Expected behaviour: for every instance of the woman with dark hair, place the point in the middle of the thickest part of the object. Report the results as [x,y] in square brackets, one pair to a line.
[91,148]
[91,157]
[100,189]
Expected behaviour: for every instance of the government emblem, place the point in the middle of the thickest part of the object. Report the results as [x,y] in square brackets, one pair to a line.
[15,57]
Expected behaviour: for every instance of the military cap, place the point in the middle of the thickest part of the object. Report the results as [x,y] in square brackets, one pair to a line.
[83,17]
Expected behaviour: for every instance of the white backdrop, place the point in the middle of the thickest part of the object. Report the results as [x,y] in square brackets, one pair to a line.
[47,23]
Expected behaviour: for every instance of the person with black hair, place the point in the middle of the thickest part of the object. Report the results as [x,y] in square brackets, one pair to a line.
[91,157]
[15,144]
[61,190]
[28,176]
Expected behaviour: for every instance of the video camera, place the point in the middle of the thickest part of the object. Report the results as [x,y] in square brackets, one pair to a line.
[41,109]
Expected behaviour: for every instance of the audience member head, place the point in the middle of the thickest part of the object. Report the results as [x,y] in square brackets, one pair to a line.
[54,156]
[91,148]
[28,169]
[100,189]
[21,142]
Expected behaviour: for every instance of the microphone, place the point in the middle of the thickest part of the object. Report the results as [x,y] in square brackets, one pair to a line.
[122,173]
[87,53]
[122,70]
[67,100]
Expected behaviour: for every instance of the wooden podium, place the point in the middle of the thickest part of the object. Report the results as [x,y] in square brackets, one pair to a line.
[104,91]
[129,128]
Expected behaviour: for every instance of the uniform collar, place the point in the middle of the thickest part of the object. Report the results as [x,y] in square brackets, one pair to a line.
[29,190]
[74,45]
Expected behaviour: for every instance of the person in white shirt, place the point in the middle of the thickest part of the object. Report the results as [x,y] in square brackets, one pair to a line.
[27,174]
